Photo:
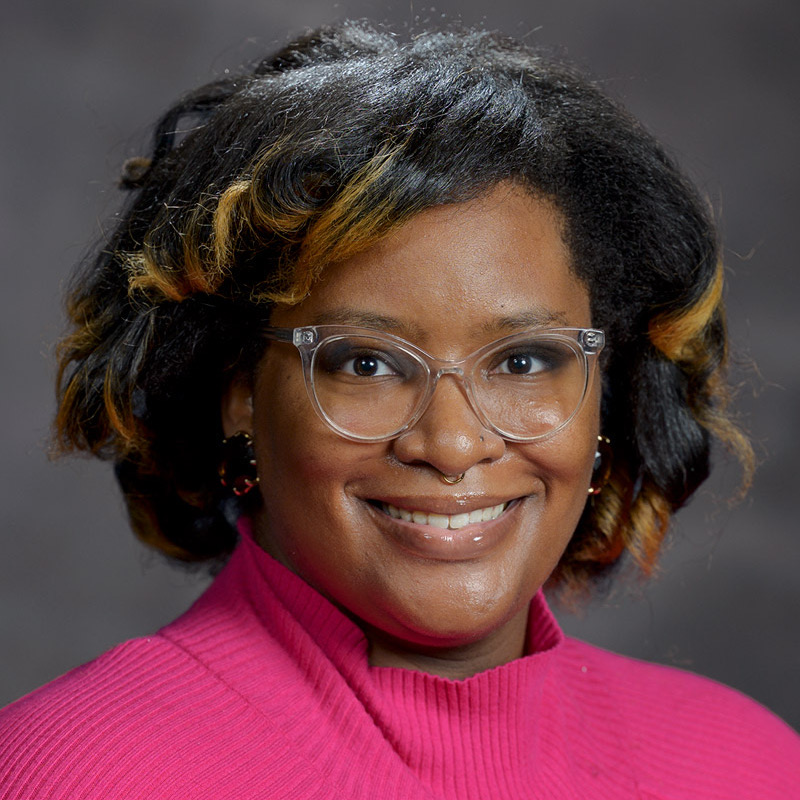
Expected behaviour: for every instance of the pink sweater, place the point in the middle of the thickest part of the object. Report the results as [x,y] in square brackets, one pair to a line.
[263,690]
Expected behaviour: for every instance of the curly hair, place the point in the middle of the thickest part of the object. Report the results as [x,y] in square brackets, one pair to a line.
[313,156]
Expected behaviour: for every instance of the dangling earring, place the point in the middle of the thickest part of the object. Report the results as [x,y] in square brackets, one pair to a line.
[237,469]
[602,464]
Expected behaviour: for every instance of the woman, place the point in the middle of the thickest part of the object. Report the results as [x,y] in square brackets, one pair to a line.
[402,333]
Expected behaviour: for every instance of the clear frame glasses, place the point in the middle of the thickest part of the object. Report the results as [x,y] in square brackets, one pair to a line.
[371,386]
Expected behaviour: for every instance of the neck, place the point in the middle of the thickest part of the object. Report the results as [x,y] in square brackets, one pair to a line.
[455,662]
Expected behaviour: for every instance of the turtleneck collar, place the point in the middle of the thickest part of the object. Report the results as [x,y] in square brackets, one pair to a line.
[471,731]
[298,657]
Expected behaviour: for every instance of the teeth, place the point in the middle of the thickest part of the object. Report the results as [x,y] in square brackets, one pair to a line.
[492,513]
[459,521]
[451,521]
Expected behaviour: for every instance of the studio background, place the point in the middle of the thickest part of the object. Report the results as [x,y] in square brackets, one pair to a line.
[715,81]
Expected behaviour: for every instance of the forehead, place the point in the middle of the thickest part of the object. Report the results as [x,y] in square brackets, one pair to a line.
[467,271]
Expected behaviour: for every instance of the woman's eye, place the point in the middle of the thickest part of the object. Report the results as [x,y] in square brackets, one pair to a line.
[355,360]
[366,366]
[521,364]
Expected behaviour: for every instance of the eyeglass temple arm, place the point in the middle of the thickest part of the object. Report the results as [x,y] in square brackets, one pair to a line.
[278,334]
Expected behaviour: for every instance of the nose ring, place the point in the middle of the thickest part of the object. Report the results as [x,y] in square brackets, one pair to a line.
[451,480]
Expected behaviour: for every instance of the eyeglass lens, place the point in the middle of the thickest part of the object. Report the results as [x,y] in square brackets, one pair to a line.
[526,387]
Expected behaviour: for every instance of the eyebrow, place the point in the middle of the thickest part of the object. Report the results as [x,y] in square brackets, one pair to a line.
[531,318]
[367,319]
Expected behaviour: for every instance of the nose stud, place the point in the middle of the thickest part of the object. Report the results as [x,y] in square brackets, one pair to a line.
[451,480]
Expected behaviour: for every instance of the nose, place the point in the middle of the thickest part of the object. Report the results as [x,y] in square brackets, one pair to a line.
[449,436]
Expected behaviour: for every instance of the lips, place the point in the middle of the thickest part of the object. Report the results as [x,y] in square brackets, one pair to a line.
[455,537]
[444,521]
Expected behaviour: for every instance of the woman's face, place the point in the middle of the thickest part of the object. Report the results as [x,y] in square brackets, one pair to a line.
[451,280]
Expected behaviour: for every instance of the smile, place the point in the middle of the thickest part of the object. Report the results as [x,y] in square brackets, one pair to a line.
[451,521]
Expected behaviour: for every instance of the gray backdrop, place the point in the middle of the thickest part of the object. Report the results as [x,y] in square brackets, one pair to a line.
[715,80]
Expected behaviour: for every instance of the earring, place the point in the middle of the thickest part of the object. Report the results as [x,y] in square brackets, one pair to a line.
[602,464]
[237,469]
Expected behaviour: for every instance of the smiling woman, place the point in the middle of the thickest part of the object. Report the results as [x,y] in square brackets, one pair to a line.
[399,334]
[497,259]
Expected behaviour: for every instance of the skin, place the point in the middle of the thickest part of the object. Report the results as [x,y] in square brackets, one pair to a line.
[450,280]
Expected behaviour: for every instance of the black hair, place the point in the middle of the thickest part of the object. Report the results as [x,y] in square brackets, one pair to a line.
[317,153]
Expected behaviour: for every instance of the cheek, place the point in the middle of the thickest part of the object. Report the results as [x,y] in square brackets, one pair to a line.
[283,432]
[564,463]
[284,420]
[303,465]
[566,460]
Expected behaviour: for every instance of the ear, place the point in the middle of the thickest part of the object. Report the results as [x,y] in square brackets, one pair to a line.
[237,407]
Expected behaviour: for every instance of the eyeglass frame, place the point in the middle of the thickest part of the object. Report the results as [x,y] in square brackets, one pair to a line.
[588,342]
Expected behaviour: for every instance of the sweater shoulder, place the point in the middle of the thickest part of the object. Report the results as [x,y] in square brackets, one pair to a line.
[142,720]
[121,671]
[72,724]
[690,736]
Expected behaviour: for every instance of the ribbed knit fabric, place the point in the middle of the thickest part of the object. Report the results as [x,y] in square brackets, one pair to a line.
[263,690]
